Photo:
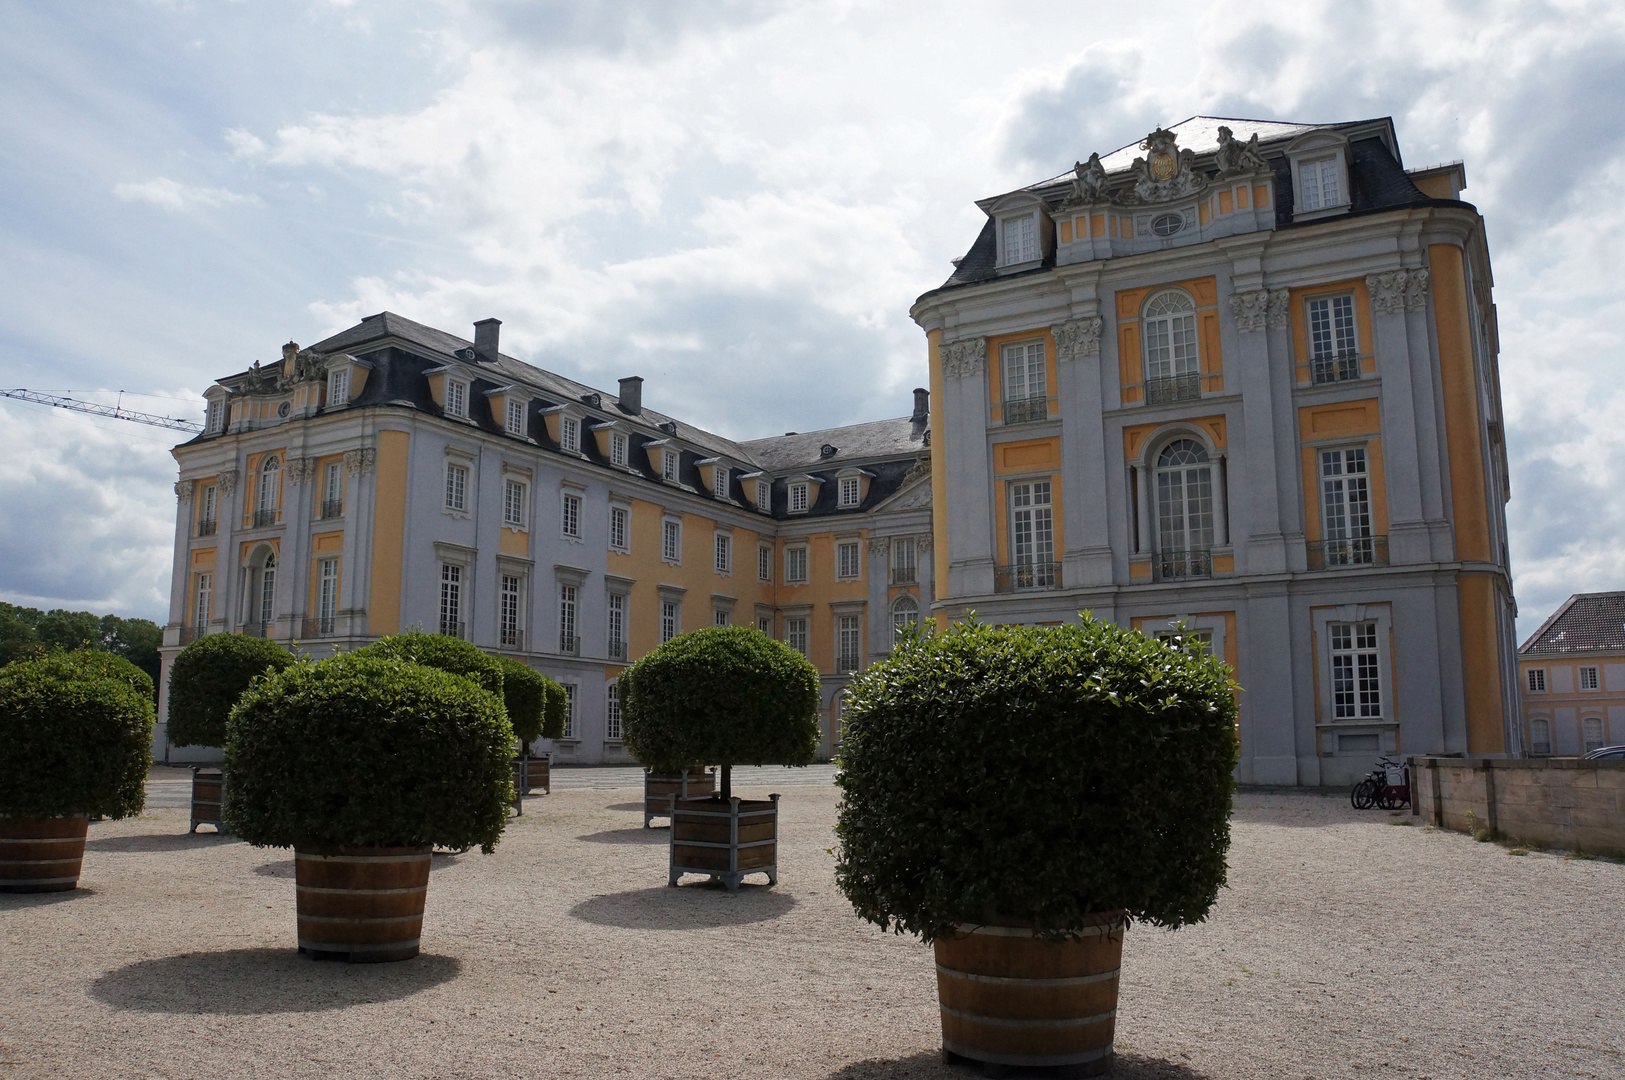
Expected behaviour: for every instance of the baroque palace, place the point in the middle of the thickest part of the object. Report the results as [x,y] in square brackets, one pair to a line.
[1240,376]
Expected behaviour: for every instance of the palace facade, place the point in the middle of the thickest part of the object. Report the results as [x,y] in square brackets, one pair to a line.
[1573,677]
[1242,375]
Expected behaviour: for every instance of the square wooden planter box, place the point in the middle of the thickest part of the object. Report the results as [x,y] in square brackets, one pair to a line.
[659,788]
[533,774]
[725,840]
[208,792]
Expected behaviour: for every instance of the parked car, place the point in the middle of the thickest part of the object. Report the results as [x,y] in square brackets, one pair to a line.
[1606,752]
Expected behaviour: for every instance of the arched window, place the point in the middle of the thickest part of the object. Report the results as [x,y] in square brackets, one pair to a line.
[1590,734]
[905,611]
[260,610]
[1540,737]
[267,498]
[1184,483]
[1172,364]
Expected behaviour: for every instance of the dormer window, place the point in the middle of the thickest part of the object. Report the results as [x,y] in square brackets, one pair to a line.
[456,398]
[570,434]
[764,495]
[217,412]
[719,481]
[1319,182]
[338,387]
[617,448]
[1320,174]
[514,424]
[668,465]
[1018,239]
[849,491]
[798,497]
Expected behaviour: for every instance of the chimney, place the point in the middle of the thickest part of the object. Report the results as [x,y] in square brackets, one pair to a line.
[922,412]
[485,338]
[632,395]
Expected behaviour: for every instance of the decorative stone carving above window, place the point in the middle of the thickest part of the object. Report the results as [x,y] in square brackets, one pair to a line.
[1395,290]
[961,359]
[300,470]
[360,462]
[1257,307]
[1078,337]
[183,491]
[1280,308]
[228,482]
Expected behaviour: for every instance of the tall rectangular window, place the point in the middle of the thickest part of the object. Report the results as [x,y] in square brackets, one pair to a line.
[208,509]
[216,412]
[1590,734]
[1024,376]
[1331,327]
[510,616]
[456,487]
[847,562]
[1588,678]
[1020,238]
[848,642]
[1537,680]
[764,623]
[1540,737]
[1346,505]
[795,565]
[617,448]
[451,599]
[571,524]
[725,553]
[612,713]
[671,541]
[764,495]
[1032,534]
[618,520]
[570,711]
[333,489]
[668,620]
[903,567]
[849,491]
[515,424]
[795,635]
[764,562]
[513,504]
[721,617]
[1319,182]
[617,626]
[267,593]
[567,618]
[456,398]
[204,601]
[1356,682]
[569,433]
[327,593]
[719,481]
[668,465]
[799,498]
[338,387]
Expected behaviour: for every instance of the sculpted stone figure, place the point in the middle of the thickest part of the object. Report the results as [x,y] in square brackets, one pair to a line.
[1089,181]
[1235,157]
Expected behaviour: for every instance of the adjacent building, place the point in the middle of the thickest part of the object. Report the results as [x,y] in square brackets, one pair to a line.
[1572,674]
[1242,375]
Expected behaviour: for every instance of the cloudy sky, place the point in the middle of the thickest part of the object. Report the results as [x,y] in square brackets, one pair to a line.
[736,200]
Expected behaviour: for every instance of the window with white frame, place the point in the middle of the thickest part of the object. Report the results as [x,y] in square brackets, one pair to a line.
[513,503]
[333,489]
[795,634]
[904,569]
[848,643]
[1540,737]
[1168,325]
[570,516]
[338,387]
[1319,183]
[1537,680]
[208,508]
[1587,677]
[725,553]
[1184,481]
[515,424]
[612,712]
[510,614]
[267,592]
[1018,239]
[617,626]
[569,433]
[847,563]
[617,448]
[905,612]
[203,600]
[1590,734]
[764,623]
[1346,507]
[671,541]
[567,619]
[669,620]
[327,593]
[795,565]
[456,487]
[1032,534]
[269,487]
[1024,379]
[456,398]
[719,481]
[764,495]
[764,562]
[216,413]
[849,492]
[451,599]
[721,617]
[668,465]
[1356,674]
[1332,334]
[619,527]
[798,498]
[570,711]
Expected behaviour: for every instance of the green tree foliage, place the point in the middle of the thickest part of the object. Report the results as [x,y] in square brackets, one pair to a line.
[439,651]
[557,711]
[207,678]
[528,695]
[369,751]
[728,695]
[75,736]
[29,632]
[1035,773]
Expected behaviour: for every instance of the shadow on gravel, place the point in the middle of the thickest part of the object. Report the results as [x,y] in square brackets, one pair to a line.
[22,901]
[639,835]
[931,1066]
[283,868]
[160,842]
[625,806]
[253,982]
[692,907]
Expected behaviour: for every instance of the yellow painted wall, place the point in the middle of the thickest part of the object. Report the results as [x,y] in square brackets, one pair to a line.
[1461,417]
[388,533]
[995,367]
[323,546]
[1350,419]
[1481,667]
[1130,357]
[1362,323]
[1135,435]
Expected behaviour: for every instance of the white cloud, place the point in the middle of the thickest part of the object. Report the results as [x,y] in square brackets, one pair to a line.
[172,195]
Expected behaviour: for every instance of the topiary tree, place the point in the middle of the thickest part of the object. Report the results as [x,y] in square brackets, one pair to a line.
[529,696]
[75,736]
[556,712]
[1042,774]
[209,676]
[368,751]
[439,651]
[726,694]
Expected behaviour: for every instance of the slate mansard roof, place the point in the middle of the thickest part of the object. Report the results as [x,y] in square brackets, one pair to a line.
[401,352]
[1586,621]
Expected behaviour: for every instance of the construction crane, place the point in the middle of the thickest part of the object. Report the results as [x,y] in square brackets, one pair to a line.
[113,412]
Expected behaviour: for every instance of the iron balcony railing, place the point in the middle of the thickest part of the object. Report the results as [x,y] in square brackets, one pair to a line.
[257,629]
[453,629]
[1023,576]
[321,626]
[206,526]
[1169,388]
[262,518]
[510,637]
[332,508]
[904,575]
[617,649]
[1179,563]
[190,634]
[1334,368]
[1353,551]
[569,644]
[846,663]
[1026,410]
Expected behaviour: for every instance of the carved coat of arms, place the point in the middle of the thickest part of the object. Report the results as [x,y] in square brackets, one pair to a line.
[1167,173]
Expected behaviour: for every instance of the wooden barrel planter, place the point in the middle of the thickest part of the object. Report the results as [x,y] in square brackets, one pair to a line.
[1009,998]
[724,840]
[208,792]
[42,854]
[659,789]
[361,904]
[531,774]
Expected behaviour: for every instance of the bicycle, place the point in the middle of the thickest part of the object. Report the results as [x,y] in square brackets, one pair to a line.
[1387,787]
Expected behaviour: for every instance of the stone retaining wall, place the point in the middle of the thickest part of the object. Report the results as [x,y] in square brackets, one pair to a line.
[1558,802]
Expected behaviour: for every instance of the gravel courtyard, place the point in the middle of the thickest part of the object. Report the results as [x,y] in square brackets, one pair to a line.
[1344,947]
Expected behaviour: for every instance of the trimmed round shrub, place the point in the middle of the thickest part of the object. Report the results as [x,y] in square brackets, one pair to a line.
[209,676]
[528,693]
[556,712]
[725,695]
[1041,774]
[439,651]
[75,736]
[368,751]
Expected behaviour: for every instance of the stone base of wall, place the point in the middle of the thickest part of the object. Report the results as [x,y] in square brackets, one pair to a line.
[1553,802]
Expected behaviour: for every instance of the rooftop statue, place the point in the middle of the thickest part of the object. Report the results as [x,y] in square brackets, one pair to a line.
[1235,157]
